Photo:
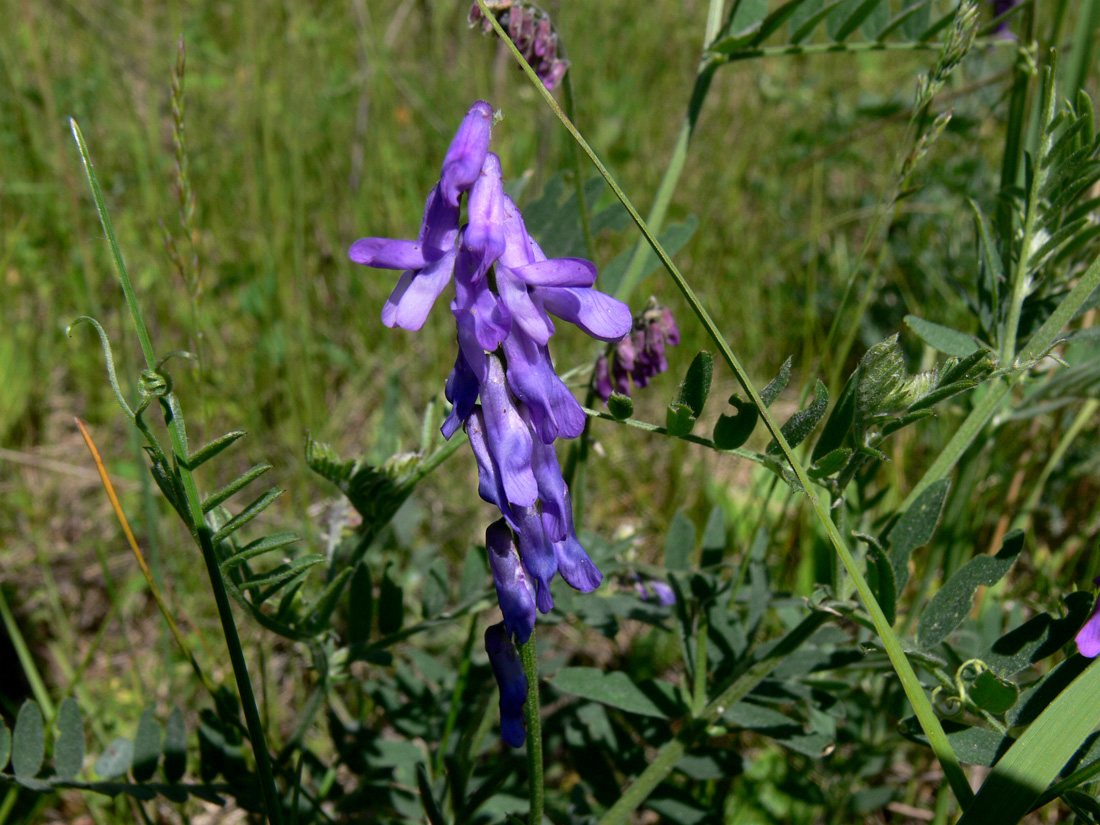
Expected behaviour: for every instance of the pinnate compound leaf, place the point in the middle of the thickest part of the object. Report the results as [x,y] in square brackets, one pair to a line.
[620,406]
[803,422]
[391,604]
[375,492]
[679,543]
[731,431]
[68,748]
[916,527]
[175,747]
[5,745]
[28,741]
[116,760]
[616,689]
[951,604]
[148,743]
[939,337]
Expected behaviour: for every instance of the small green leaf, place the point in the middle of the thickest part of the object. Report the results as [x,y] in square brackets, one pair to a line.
[28,741]
[1037,638]
[434,596]
[360,604]
[204,454]
[680,543]
[803,422]
[830,463]
[951,604]
[115,761]
[696,385]
[233,487]
[731,431]
[175,747]
[679,421]
[5,745]
[475,573]
[391,605]
[972,745]
[916,527]
[147,747]
[992,693]
[939,337]
[68,749]
[777,384]
[881,578]
[839,422]
[615,688]
[246,515]
[620,406]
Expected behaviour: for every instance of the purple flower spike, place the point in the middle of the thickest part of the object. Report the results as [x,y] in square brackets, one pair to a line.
[514,592]
[512,681]
[1088,637]
[466,154]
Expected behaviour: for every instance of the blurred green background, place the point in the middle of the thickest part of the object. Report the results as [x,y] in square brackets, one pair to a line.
[311,124]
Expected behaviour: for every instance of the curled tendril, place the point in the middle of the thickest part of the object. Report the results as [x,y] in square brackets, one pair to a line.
[970,670]
[948,704]
[154,384]
[108,356]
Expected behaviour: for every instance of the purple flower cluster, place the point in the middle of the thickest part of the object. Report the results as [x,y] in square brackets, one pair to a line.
[1088,637]
[503,387]
[529,27]
[639,357]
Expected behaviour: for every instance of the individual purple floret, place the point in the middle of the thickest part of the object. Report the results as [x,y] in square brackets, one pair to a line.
[1088,637]
[530,28]
[512,682]
[639,356]
[503,387]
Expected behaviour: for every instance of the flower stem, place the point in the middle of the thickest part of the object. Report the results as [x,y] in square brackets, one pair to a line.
[528,655]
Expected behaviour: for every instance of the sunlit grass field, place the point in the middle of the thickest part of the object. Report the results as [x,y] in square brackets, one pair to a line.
[309,125]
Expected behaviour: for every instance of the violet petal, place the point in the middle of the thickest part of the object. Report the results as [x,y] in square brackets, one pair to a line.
[467,152]
[600,315]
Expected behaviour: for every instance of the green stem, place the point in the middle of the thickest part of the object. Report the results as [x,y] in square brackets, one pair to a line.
[528,654]
[930,723]
[173,418]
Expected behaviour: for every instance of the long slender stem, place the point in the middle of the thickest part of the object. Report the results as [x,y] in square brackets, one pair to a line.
[929,722]
[173,418]
[532,712]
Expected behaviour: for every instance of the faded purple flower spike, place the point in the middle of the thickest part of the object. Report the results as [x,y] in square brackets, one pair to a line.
[1088,637]
[641,355]
[512,682]
[530,28]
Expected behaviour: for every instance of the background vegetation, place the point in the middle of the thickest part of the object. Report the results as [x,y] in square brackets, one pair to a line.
[311,124]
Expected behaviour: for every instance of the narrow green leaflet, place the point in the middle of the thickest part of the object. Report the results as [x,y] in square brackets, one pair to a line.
[616,689]
[1039,755]
[679,543]
[360,604]
[915,528]
[973,745]
[115,760]
[391,604]
[803,422]
[148,743]
[939,337]
[68,748]
[951,604]
[1038,637]
[175,747]
[28,741]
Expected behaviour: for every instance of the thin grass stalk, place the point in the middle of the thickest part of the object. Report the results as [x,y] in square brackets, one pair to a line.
[929,722]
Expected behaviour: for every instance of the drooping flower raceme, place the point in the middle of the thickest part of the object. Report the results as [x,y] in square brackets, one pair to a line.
[639,356]
[503,388]
[1088,637]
